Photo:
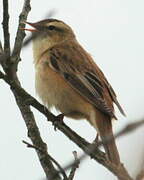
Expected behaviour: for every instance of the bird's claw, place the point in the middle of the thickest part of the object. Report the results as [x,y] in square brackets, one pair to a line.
[58,119]
[96,140]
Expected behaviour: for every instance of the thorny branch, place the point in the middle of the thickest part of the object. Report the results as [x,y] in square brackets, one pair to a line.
[24,101]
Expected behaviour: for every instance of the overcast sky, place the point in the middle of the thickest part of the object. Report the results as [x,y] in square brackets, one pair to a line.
[112,31]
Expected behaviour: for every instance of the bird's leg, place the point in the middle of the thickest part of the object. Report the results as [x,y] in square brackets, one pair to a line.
[58,119]
[45,108]
[96,140]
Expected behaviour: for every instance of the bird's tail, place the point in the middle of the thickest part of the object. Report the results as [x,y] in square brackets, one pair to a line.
[104,127]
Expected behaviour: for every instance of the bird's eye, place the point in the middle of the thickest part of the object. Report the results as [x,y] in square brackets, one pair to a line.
[51,27]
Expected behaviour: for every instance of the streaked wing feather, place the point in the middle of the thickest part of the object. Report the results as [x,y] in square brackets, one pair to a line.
[95,81]
[86,84]
[79,86]
[114,98]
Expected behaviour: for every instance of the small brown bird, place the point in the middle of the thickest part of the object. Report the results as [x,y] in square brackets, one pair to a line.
[68,78]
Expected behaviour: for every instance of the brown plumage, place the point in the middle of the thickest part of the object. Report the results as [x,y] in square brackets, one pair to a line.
[68,78]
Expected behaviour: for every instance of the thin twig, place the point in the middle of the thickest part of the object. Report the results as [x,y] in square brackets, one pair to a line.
[50,157]
[8,63]
[1,49]
[5,24]
[20,35]
[75,166]
[126,130]
[92,148]
[34,135]
[3,57]
[5,54]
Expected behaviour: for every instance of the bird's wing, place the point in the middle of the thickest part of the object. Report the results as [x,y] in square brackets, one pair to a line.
[74,64]
[113,96]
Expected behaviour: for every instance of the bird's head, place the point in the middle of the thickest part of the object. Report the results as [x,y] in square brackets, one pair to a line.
[52,30]
[48,33]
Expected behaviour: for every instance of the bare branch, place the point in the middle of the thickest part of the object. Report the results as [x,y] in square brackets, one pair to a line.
[75,166]
[2,76]
[34,135]
[1,49]
[50,157]
[20,34]
[5,53]
[3,57]
[130,128]
[8,63]
[5,24]
[126,130]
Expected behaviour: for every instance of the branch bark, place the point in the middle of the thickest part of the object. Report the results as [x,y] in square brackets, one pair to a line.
[75,166]
[50,157]
[20,35]
[34,135]
[5,24]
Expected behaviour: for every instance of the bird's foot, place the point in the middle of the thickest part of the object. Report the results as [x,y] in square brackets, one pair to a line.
[96,140]
[58,119]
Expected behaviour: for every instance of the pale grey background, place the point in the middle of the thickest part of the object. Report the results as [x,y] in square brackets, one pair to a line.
[113,33]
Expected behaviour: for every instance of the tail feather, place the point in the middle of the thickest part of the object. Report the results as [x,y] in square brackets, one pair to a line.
[104,127]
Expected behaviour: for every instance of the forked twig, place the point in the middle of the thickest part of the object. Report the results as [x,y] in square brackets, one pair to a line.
[75,166]
[61,170]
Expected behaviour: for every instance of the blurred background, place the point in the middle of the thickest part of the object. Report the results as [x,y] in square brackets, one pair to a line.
[112,31]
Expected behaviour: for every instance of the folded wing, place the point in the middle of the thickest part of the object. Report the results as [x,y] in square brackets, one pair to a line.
[83,75]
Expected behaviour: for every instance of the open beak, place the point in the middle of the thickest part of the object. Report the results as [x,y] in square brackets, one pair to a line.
[29,29]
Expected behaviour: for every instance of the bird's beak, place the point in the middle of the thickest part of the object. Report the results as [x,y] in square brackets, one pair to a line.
[29,29]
